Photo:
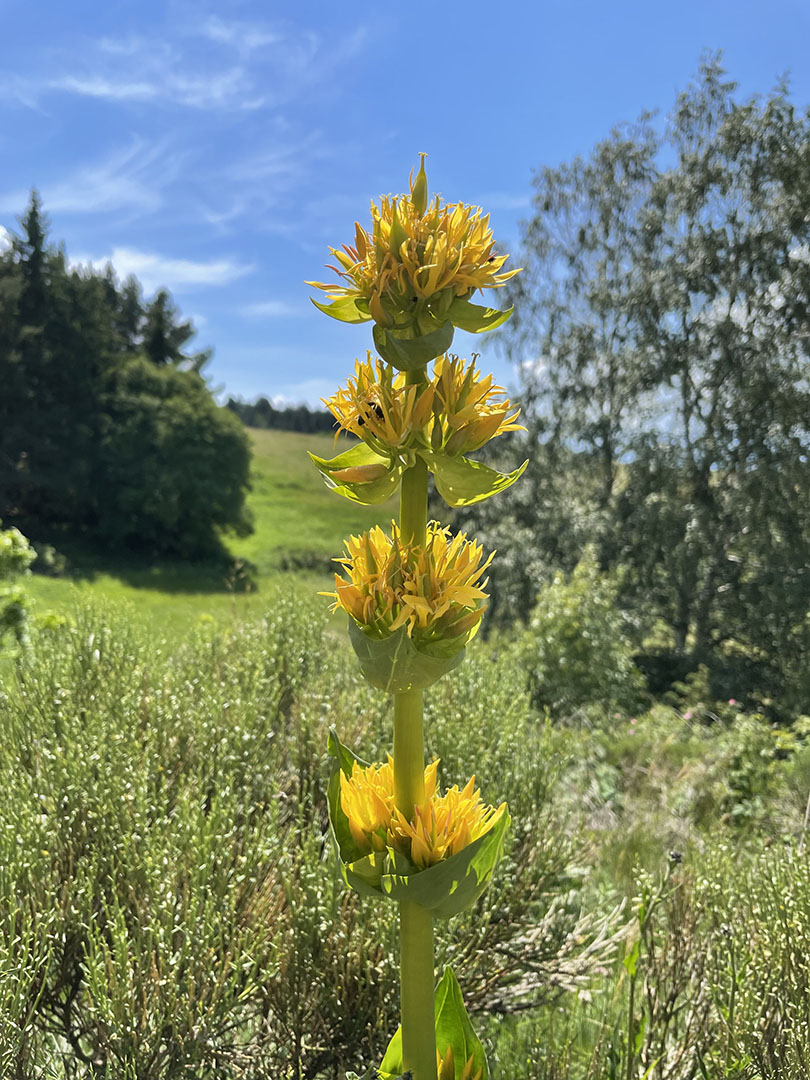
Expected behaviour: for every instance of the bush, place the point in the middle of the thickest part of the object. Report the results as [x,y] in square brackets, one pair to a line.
[16,556]
[175,467]
[575,651]
[173,907]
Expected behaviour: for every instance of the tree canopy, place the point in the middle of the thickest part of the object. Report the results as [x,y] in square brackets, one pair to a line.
[107,426]
[663,330]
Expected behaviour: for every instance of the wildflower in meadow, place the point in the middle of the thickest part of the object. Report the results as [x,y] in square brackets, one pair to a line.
[406,273]
[444,825]
[415,596]
[367,799]
[433,590]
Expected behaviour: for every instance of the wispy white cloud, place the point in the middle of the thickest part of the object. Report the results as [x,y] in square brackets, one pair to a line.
[244,35]
[5,239]
[264,185]
[130,178]
[270,309]
[156,271]
[213,64]
[163,84]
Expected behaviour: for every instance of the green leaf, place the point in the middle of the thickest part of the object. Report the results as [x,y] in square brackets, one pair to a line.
[395,664]
[364,875]
[462,482]
[451,886]
[409,354]
[391,1066]
[339,823]
[453,1027]
[631,959]
[369,492]
[346,309]
[342,754]
[476,319]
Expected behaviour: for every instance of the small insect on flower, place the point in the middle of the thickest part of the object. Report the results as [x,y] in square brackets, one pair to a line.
[435,590]
[379,407]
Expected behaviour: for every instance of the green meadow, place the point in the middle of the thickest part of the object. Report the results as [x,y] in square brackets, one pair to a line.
[299,529]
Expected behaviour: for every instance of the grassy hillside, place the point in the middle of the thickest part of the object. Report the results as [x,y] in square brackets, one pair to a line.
[299,527]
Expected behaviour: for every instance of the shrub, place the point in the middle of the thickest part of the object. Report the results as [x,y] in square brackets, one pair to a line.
[165,861]
[16,556]
[576,650]
[175,467]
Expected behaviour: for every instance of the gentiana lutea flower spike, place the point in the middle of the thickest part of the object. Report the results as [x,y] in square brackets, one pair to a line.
[415,596]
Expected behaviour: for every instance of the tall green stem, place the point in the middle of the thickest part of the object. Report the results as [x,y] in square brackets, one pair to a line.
[415,923]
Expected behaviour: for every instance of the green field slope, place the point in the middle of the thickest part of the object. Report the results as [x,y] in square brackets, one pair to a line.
[299,528]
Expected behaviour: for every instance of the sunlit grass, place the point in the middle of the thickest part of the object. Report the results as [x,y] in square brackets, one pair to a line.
[299,528]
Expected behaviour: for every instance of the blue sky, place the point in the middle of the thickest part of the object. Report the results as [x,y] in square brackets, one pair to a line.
[219,148]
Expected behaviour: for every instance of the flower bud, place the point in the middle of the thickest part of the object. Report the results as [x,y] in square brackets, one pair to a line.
[419,188]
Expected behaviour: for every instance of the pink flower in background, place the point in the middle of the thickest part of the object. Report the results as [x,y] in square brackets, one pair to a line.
[687,715]
[732,701]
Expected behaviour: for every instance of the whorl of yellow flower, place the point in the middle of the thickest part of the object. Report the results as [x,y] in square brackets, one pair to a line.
[456,410]
[378,407]
[367,798]
[434,591]
[469,409]
[414,252]
[441,827]
[445,825]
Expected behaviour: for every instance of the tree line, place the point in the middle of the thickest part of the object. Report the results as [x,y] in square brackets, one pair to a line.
[108,428]
[662,330]
[261,413]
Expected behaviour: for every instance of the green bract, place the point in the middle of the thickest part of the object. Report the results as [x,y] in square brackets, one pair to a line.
[384,474]
[453,1031]
[348,309]
[412,353]
[395,664]
[461,481]
[474,318]
[445,889]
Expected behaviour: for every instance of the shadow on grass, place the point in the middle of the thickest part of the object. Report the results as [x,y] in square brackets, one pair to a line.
[81,561]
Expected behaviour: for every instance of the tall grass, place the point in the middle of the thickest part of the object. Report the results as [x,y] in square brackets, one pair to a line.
[169,908]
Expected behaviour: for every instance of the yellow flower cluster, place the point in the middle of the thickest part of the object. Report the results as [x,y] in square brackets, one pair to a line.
[438,829]
[434,591]
[456,410]
[468,409]
[380,408]
[445,825]
[368,801]
[414,253]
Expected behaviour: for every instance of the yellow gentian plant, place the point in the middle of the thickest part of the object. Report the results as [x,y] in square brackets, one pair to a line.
[415,595]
